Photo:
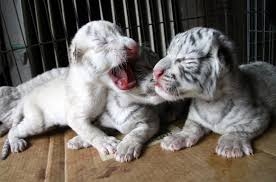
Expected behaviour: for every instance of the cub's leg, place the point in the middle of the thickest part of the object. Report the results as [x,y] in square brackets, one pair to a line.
[27,127]
[237,141]
[93,135]
[106,144]
[187,137]
[131,146]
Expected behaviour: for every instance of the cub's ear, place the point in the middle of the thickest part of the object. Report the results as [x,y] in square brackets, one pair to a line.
[226,52]
[75,54]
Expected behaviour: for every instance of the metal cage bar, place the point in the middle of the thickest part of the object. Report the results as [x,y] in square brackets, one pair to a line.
[152,23]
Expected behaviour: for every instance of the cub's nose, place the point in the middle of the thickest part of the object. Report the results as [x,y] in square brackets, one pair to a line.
[157,73]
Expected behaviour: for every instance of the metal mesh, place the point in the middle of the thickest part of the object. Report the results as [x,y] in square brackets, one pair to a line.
[260,31]
[41,31]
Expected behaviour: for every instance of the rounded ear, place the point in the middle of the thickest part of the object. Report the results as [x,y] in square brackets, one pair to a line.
[75,54]
[226,52]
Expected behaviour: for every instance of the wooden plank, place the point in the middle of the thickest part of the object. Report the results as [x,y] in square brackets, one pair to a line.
[266,142]
[55,165]
[198,163]
[29,165]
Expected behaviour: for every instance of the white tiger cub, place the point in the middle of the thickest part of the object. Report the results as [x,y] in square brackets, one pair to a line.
[97,50]
[236,102]
[129,112]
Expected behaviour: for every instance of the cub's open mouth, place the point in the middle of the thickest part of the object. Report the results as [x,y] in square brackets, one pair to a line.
[123,76]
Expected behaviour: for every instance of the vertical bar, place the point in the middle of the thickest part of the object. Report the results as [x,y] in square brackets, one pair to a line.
[150,26]
[52,30]
[174,8]
[165,20]
[88,10]
[62,12]
[225,8]
[162,28]
[264,10]
[187,14]
[126,18]
[9,39]
[20,27]
[76,13]
[205,13]
[272,48]
[101,9]
[269,43]
[256,29]
[113,11]
[141,22]
[138,22]
[43,58]
[248,30]
[171,19]
[33,19]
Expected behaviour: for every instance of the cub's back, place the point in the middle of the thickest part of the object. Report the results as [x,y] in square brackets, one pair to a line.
[262,77]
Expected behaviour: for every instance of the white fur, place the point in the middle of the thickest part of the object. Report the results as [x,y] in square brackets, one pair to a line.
[77,98]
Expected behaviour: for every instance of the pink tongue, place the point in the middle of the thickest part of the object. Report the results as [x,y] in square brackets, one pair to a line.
[126,79]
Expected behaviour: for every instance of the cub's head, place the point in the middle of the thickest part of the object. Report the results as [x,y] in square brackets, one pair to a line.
[196,61]
[105,52]
[144,91]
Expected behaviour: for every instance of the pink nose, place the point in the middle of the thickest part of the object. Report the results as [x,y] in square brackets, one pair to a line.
[158,73]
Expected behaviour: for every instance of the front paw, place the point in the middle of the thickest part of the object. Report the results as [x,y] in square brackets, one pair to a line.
[178,141]
[106,145]
[233,147]
[77,143]
[127,151]
[18,145]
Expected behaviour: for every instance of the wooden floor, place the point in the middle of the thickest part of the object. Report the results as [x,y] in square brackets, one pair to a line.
[49,160]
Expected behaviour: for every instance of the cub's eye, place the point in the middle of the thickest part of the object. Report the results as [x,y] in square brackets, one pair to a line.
[178,60]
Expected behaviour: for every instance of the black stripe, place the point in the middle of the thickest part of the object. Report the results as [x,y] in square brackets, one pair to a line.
[199,34]
[192,40]
[183,74]
[88,30]
[107,112]
[227,109]
[132,112]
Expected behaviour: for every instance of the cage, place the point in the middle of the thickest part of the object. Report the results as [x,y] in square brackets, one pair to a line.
[35,34]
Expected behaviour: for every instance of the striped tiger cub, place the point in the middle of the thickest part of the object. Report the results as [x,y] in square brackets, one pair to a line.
[234,101]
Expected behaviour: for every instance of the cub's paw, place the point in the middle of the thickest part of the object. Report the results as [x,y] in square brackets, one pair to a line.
[106,145]
[77,143]
[233,147]
[18,145]
[127,151]
[178,141]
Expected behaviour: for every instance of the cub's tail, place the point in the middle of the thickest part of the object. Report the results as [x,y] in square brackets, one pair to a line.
[9,98]
[5,149]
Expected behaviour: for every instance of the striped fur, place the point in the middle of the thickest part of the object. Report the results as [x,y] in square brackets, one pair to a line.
[227,99]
